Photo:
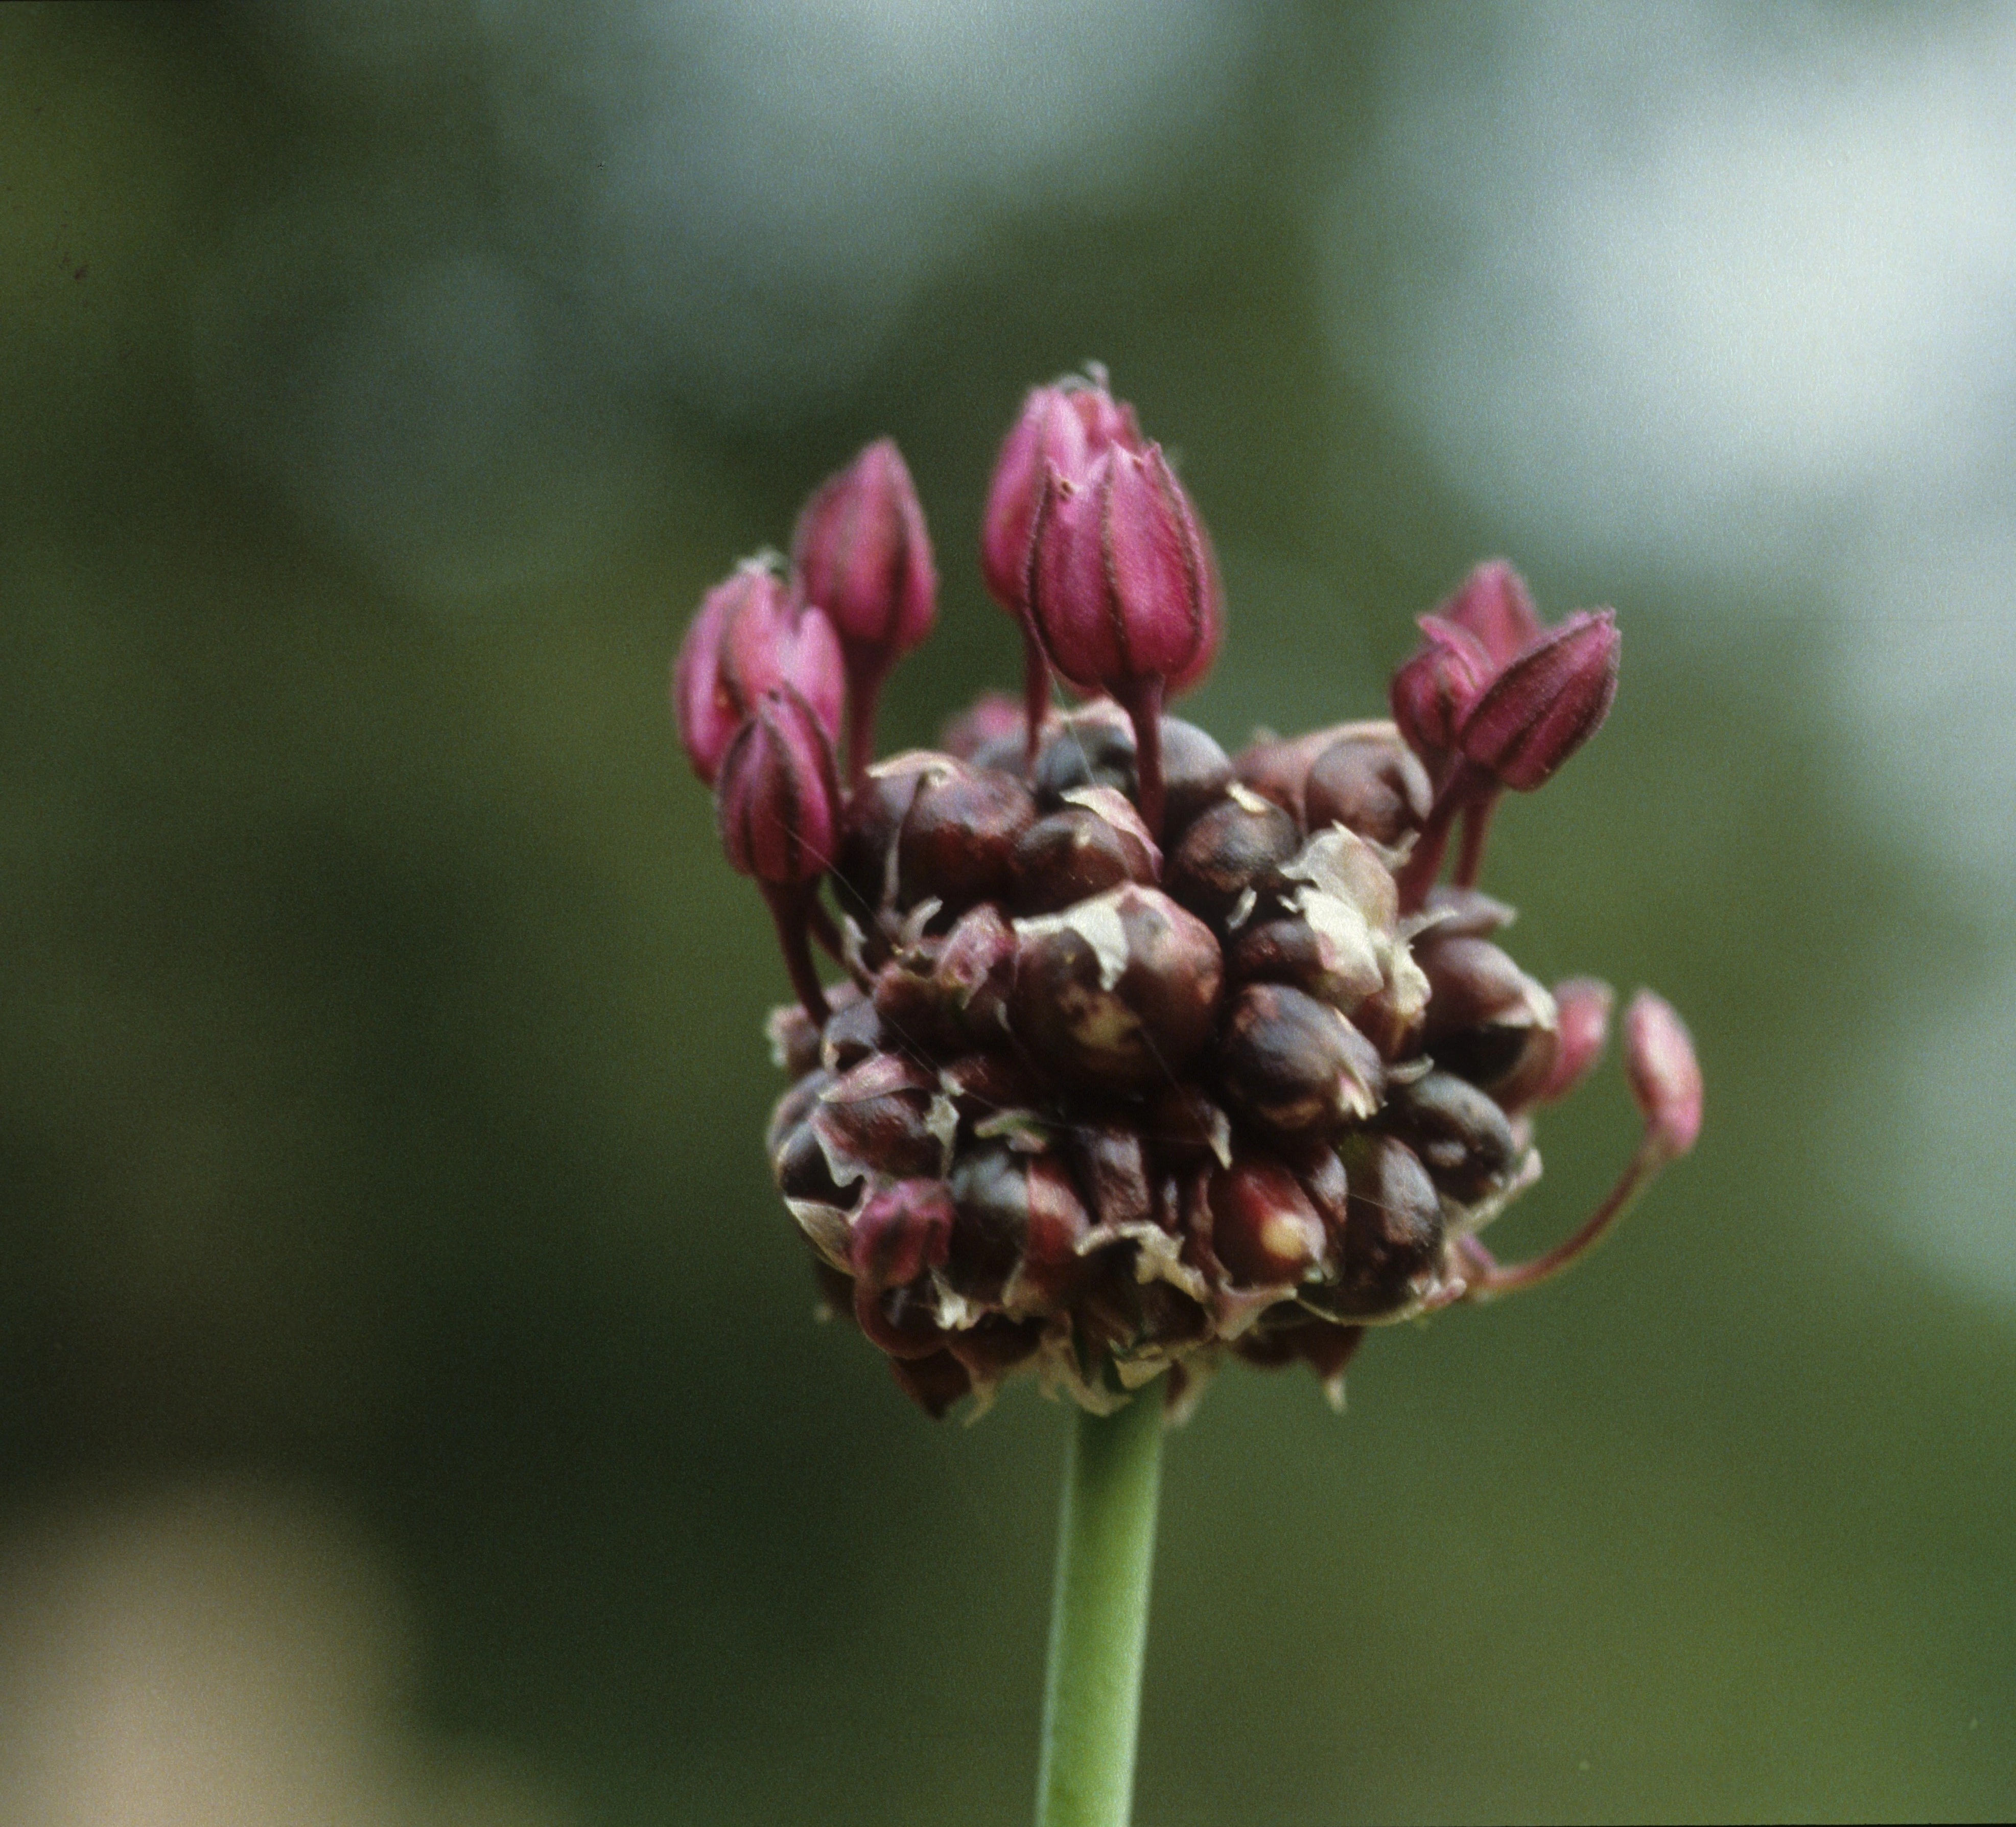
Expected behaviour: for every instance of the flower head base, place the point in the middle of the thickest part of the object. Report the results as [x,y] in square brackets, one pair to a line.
[1146,1058]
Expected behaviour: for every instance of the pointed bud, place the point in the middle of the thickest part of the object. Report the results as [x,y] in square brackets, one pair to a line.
[777,799]
[1066,427]
[1665,1078]
[1495,607]
[1582,1005]
[1120,586]
[744,641]
[1548,701]
[1433,693]
[863,557]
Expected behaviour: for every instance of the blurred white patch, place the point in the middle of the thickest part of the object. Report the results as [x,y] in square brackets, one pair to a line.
[1704,278]
[218,1656]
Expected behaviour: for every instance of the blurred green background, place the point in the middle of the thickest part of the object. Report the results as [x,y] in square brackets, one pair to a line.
[410,1407]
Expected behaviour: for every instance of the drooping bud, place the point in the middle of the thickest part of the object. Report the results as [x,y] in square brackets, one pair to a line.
[1117,992]
[744,641]
[1433,693]
[1548,700]
[863,556]
[1123,592]
[1582,1006]
[1494,606]
[1665,1078]
[777,807]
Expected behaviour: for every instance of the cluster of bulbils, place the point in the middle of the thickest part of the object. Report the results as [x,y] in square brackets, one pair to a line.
[1142,1053]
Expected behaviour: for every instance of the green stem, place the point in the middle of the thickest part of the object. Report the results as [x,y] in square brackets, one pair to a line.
[1099,1623]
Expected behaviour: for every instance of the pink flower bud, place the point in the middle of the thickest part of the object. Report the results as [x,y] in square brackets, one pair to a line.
[863,557]
[1546,703]
[1119,583]
[1495,608]
[777,799]
[1433,693]
[743,641]
[1582,1012]
[989,730]
[1067,426]
[1665,1078]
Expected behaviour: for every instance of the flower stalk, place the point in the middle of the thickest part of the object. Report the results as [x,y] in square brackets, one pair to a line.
[1098,1619]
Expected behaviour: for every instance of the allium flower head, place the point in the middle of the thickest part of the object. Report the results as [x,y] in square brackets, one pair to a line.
[1144,1058]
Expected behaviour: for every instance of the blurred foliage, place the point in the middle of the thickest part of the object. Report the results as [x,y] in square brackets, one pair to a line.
[381,1081]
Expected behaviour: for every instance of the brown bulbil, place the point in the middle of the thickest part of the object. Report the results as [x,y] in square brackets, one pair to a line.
[864,871]
[1264,1228]
[1095,747]
[1277,767]
[974,972]
[957,846]
[1463,1138]
[803,1173]
[1015,1238]
[1487,1020]
[1393,1233]
[934,1383]
[853,1034]
[876,1115]
[1072,854]
[1118,993]
[1295,1065]
[1233,848]
[1290,951]
[1377,788]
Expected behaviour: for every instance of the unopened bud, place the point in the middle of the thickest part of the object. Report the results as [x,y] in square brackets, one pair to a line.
[744,641]
[1583,1007]
[1121,586]
[1066,427]
[863,556]
[1548,700]
[1265,1229]
[1376,788]
[1495,607]
[1665,1078]
[1118,992]
[1295,1064]
[1434,691]
[777,798]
